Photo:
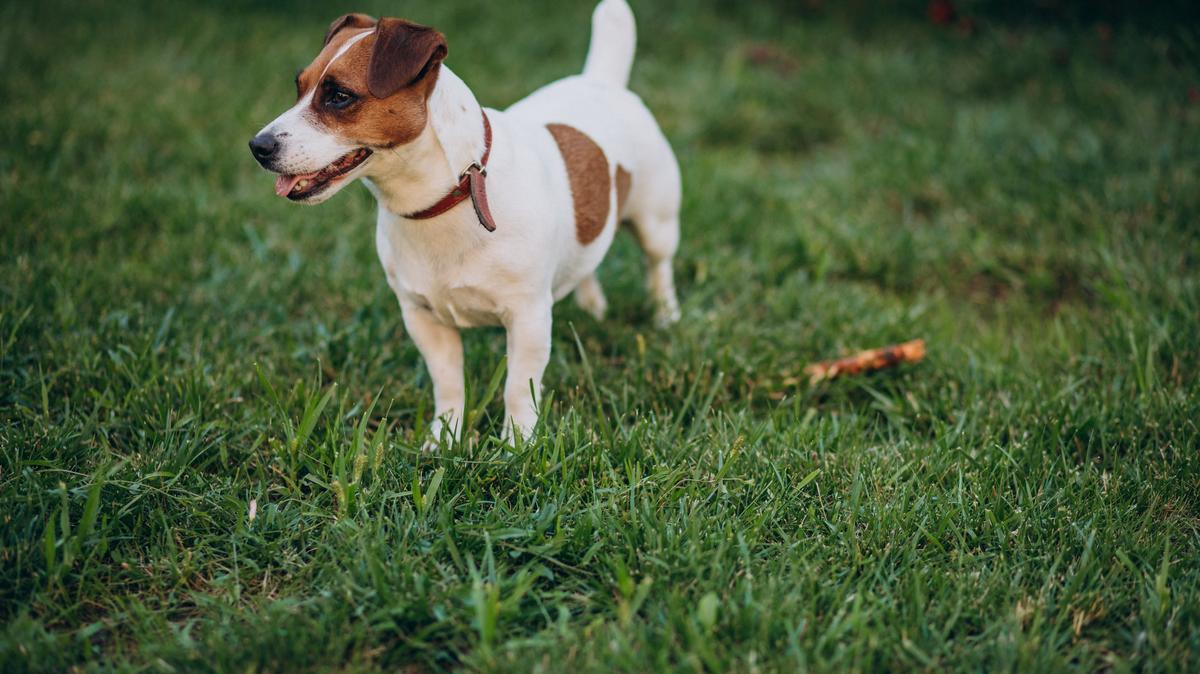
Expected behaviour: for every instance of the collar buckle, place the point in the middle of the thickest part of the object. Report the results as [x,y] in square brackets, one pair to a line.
[475,166]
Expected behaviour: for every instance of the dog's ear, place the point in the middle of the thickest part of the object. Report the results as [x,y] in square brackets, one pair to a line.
[348,21]
[404,53]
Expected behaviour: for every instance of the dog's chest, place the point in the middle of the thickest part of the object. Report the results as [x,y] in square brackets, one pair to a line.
[448,280]
[460,306]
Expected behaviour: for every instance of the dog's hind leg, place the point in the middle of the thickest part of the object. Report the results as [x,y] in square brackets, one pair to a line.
[660,239]
[656,226]
[654,199]
[590,297]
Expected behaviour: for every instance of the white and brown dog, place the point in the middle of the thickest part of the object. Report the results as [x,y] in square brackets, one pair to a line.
[548,181]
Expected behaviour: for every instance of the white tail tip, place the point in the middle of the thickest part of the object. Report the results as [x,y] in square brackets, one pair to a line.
[614,41]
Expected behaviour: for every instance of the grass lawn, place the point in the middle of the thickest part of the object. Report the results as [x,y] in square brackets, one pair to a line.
[210,414]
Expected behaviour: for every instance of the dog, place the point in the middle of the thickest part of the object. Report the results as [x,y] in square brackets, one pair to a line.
[485,217]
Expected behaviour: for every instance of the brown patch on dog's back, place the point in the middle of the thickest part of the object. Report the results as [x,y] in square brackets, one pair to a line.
[624,183]
[587,169]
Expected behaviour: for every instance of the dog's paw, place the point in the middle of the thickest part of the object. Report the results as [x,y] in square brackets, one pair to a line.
[666,316]
[518,431]
[443,433]
[597,307]
[510,437]
[590,297]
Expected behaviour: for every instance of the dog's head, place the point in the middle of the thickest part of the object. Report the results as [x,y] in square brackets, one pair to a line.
[367,90]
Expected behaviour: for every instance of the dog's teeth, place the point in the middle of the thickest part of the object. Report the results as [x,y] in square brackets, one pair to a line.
[302,184]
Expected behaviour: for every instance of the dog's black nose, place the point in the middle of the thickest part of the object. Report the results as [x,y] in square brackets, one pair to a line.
[264,146]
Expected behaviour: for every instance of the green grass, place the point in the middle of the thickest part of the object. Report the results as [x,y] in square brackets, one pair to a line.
[177,344]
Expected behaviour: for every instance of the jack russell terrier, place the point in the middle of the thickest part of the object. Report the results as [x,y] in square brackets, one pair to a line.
[547,181]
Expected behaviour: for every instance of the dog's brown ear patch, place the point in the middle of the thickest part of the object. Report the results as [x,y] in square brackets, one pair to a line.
[624,183]
[404,53]
[587,169]
[348,21]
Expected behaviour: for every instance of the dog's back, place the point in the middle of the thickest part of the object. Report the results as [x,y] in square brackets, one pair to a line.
[598,104]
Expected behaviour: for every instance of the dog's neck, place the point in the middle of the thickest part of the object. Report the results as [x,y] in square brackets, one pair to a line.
[416,175]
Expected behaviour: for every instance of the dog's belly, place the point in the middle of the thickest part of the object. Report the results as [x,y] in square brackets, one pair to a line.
[582,261]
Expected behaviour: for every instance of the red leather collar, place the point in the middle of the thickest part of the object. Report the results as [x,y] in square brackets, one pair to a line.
[472,184]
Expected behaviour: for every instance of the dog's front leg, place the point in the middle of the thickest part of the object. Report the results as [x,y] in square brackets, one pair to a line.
[441,347]
[528,353]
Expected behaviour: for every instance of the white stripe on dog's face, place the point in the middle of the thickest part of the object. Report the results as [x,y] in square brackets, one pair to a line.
[305,144]
[367,90]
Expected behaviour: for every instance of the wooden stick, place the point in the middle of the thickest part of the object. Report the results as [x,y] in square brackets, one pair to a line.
[867,361]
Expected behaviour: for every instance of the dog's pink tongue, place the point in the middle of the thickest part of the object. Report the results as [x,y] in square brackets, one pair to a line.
[285,183]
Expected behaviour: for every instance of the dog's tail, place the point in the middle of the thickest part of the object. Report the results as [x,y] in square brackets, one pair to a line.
[614,39]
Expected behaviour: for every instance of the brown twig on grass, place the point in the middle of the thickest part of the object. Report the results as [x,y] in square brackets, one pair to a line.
[867,361]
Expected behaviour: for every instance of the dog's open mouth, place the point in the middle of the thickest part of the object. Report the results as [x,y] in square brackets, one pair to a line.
[303,186]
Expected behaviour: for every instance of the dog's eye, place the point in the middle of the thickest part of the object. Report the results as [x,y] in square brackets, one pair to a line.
[338,98]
